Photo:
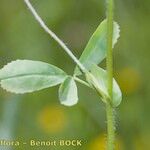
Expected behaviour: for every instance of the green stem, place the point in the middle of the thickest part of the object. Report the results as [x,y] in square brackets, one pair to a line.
[54,36]
[81,81]
[109,59]
[109,108]
[110,127]
[109,62]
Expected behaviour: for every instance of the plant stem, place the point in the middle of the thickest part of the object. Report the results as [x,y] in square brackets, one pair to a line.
[110,127]
[109,45]
[54,36]
[81,81]
[109,63]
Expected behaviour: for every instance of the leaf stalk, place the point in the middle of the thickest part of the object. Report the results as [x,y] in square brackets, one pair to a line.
[54,36]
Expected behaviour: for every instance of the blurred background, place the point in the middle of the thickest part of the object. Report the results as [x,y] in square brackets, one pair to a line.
[39,115]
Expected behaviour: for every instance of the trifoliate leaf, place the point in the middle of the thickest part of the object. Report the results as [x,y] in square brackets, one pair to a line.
[96,48]
[24,76]
[100,82]
[68,94]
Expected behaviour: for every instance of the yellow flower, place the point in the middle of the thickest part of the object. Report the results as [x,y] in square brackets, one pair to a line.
[99,143]
[52,119]
[129,80]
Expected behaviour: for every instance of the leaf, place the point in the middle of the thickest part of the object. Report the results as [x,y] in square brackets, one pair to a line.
[101,77]
[96,48]
[68,94]
[24,76]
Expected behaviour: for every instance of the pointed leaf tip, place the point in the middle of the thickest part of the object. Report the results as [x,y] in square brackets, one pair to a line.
[96,49]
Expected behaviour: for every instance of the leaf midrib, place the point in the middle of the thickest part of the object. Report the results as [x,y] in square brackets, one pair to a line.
[32,74]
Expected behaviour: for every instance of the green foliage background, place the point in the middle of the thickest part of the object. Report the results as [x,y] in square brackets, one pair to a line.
[39,115]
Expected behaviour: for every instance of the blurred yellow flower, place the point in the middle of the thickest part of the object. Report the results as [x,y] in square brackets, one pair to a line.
[129,80]
[99,143]
[52,119]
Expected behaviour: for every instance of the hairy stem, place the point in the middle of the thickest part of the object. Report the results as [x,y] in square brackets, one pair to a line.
[109,45]
[109,62]
[54,36]
[110,127]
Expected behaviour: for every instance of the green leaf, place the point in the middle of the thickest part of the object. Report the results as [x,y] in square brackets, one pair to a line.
[96,48]
[24,76]
[100,83]
[68,94]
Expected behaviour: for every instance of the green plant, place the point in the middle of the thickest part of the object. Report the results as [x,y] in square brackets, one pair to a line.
[24,76]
